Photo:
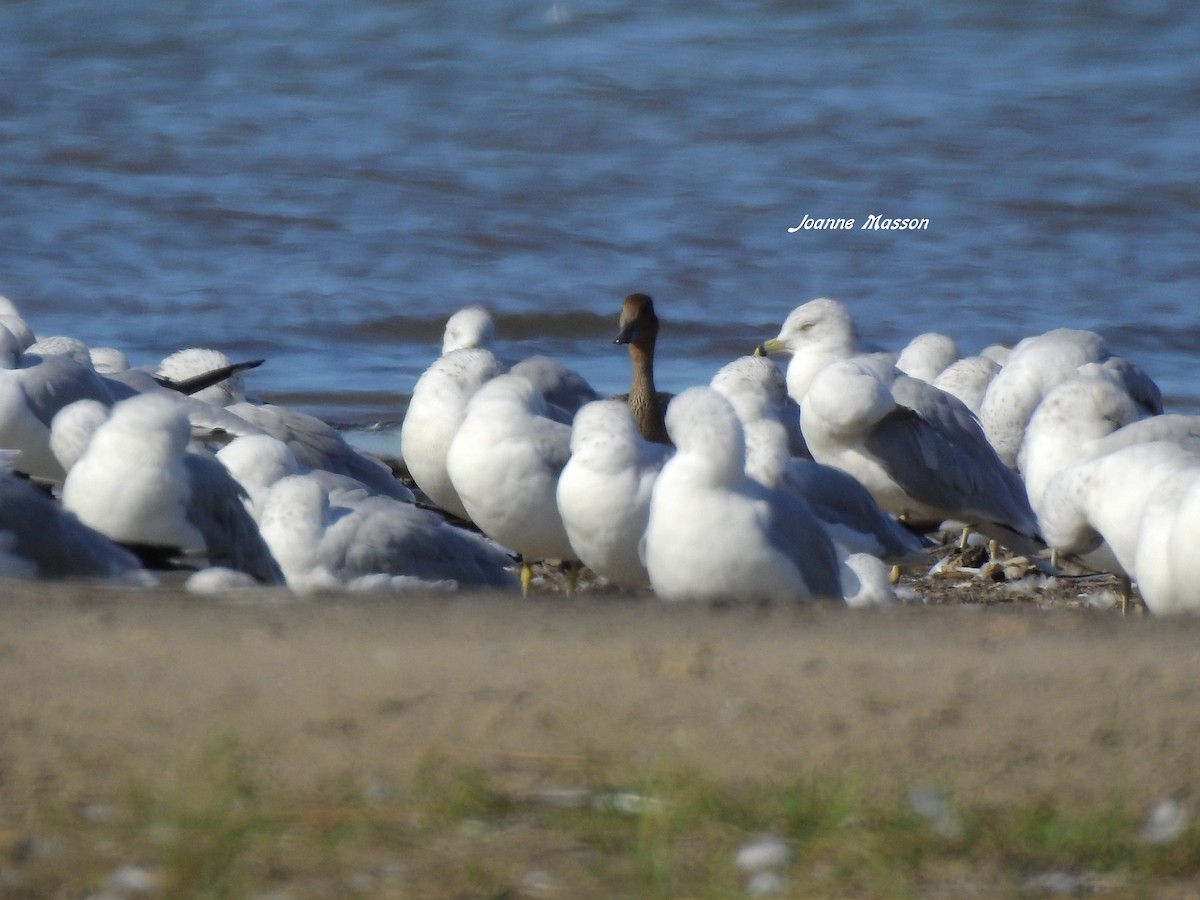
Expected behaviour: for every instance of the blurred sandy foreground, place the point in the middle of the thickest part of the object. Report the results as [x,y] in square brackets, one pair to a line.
[102,687]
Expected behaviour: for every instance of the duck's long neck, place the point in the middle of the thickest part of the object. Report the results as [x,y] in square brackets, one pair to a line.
[643,399]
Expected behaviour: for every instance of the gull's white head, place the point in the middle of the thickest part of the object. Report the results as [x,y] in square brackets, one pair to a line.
[72,428]
[703,424]
[755,387]
[471,327]
[822,323]
[605,430]
[62,345]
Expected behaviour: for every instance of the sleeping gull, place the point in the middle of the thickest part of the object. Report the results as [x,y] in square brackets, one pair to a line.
[563,389]
[321,446]
[136,482]
[435,412]
[32,389]
[919,451]
[72,428]
[470,328]
[333,538]
[504,462]
[108,360]
[968,380]
[852,518]
[1036,366]
[1167,566]
[210,421]
[354,536]
[758,390]
[39,539]
[184,365]
[714,533]
[604,491]
[928,355]
[257,461]
[1093,510]
[1085,417]
[62,345]
[10,317]
[315,443]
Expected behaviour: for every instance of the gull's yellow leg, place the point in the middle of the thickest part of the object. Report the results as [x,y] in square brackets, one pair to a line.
[571,569]
[962,541]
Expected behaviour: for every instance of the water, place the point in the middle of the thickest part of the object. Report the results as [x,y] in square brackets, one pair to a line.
[321,184]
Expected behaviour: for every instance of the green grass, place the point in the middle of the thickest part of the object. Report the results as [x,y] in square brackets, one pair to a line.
[222,829]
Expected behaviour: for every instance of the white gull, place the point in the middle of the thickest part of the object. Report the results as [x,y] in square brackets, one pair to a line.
[504,462]
[1166,562]
[758,390]
[714,533]
[1085,417]
[1094,509]
[853,519]
[32,389]
[605,488]
[315,443]
[39,539]
[968,380]
[345,538]
[1037,365]
[136,482]
[435,412]
[918,450]
[928,355]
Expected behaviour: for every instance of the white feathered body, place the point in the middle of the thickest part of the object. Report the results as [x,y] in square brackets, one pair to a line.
[605,489]
[131,483]
[504,462]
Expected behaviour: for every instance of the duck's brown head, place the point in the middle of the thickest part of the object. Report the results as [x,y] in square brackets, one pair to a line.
[638,323]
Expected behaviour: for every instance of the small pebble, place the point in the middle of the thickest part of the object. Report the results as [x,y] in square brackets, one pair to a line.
[101,813]
[1106,599]
[766,884]
[132,881]
[763,853]
[936,809]
[1166,822]
[217,580]
[1071,884]
[560,797]
[540,883]
[627,802]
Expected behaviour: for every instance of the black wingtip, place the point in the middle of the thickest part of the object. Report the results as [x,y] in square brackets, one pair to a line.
[198,383]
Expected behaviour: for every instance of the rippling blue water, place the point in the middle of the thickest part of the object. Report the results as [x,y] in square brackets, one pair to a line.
[322,183]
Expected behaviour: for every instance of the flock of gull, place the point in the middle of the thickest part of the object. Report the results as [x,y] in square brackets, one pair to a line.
[814,477]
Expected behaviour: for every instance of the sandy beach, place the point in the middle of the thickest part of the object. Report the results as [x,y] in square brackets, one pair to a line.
[109,694]
[103,688]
